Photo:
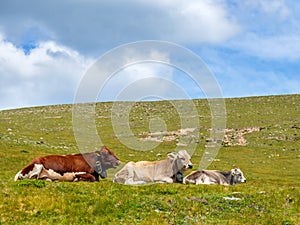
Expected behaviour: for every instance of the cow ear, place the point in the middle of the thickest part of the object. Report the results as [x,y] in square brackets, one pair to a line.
[233,172]
[171,156]
[103,149]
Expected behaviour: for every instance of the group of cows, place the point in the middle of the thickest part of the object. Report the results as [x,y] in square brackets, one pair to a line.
[91,166]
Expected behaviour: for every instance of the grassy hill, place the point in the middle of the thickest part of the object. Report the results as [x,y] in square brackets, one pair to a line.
[269,155]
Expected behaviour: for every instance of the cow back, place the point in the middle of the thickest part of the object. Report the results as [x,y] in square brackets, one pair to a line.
[68,163]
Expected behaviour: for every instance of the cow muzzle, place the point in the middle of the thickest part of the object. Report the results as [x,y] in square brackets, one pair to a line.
[117,164]
[189,166]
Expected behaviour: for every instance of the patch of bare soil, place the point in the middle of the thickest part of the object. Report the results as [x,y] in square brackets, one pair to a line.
[168,135]
[235,137]
[232,137]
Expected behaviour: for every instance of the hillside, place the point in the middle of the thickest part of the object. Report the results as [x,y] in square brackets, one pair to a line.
[262,138]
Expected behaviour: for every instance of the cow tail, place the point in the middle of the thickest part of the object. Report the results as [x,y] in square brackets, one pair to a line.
[22,173]
[17,176]
[26,169]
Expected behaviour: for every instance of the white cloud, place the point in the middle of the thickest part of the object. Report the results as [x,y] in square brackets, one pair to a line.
[48,75]
[127,73]
[270,7]
[137,81]
[198,21]
[270,29]
[93,26]
[281,47]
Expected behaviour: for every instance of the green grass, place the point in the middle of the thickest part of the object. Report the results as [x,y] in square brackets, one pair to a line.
[270,161]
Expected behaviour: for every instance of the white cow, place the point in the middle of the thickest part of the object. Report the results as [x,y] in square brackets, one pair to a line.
[162,171]
[234,176]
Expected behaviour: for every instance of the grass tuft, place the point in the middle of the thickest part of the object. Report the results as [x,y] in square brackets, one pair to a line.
[31,183]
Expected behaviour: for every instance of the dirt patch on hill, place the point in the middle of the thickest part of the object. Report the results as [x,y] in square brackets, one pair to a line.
[232,137]
[235,137]
[168,135]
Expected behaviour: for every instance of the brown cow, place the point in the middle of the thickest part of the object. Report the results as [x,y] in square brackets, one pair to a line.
[86,166]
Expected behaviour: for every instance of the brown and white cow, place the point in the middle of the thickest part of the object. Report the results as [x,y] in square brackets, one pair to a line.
[232,177]
[85,167]
[158,171]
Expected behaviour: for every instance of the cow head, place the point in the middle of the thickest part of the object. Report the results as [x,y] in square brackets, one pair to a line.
[107,159]
[181,161]
[186,159]
[237,176]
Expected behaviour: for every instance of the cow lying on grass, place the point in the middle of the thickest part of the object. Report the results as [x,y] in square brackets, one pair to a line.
[232,177]
[76,167]
[164,171]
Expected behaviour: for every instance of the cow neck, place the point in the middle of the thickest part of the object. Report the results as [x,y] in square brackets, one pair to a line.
[228,176]
[175,167]
[232,180]
[98,167]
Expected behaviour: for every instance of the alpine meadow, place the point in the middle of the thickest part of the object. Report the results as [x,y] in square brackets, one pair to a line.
[262,138]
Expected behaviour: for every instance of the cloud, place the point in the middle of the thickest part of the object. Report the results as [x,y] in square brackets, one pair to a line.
[145,66]
[197,21]
[142,71]
[48,75]
[280,47]
[93,26]
[139,81]
[270,7]
[269,29]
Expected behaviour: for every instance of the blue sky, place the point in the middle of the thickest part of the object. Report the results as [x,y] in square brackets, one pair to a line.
[252,47]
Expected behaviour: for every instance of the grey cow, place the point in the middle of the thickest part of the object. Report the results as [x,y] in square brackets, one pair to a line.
[234,176]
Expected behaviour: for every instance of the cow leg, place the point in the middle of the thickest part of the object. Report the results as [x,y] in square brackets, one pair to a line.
[130,175]
[35,173]
[189,181]
[130,181]
[199,181]
[44,175]
[96,175]
[206,180]
[168,180]
[86,177]
[69,176]
[126,176]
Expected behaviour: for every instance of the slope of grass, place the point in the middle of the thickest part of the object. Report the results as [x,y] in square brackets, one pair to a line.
[270,161]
